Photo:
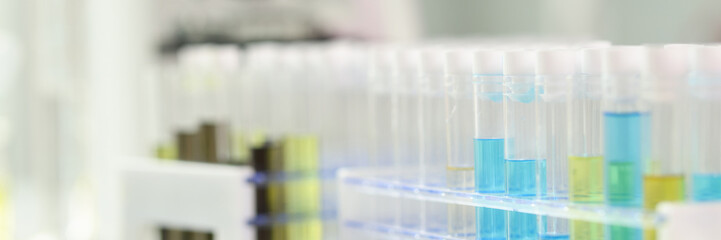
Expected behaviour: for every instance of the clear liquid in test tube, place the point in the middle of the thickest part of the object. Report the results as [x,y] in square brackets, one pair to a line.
[459,124]
[555,70]
[705,131]
[524,171]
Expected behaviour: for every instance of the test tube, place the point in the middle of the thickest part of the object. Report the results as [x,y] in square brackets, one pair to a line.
[622,116]
[705,99]
[585,145]
[406,128]
[524,172]
[379,81]
[459,122]
[488,140]
[432,135]
[664,70]
[555,69]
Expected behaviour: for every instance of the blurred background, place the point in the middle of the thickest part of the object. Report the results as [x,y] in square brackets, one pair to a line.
[74,76]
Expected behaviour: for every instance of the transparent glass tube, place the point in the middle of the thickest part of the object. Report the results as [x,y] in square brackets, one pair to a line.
[380,115]
[432,127]
[552,108]
[381,104]
[585,150]
[705,136]
[459,120]
[459,168]
[406,135]
[622,123]
[407,122]
[622,126]
[433,147]
[257,89]
[521,155]
[488,150]
[432,132]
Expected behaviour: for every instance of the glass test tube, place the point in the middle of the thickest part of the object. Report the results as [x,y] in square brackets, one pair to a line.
[488,140]
[555,69]
[261,60]
[379,80]
[524,172]
[459,122]
[705,99]
[358,105]
[432,136]
[585,145]
[663,71]
[622,138]
[406,129]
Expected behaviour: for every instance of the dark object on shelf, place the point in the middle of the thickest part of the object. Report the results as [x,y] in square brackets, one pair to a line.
[260,159]
[184,234]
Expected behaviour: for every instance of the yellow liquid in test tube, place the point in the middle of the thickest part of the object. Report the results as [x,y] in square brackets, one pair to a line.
[658,189]
[304,196]
[586,186]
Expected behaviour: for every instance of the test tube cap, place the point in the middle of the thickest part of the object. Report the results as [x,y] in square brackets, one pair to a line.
[591,60]
[406,61]
[380,60]
[671,62]
[458,62]
[229,56]
[431,61]
[556,62]
[519,62]
[488,61]
[706,59]
[624,60]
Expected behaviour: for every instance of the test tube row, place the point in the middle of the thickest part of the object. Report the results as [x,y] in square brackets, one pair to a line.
[268,105]
[627,126]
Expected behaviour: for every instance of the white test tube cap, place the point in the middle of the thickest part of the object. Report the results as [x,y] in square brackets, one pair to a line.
[556,62]
[458,62]
[488,61]
[380,60]
[519,62]
[591,60]
[622,60]
[405,61]
[669,62]
[229,56]
[431,62]
[706,59]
